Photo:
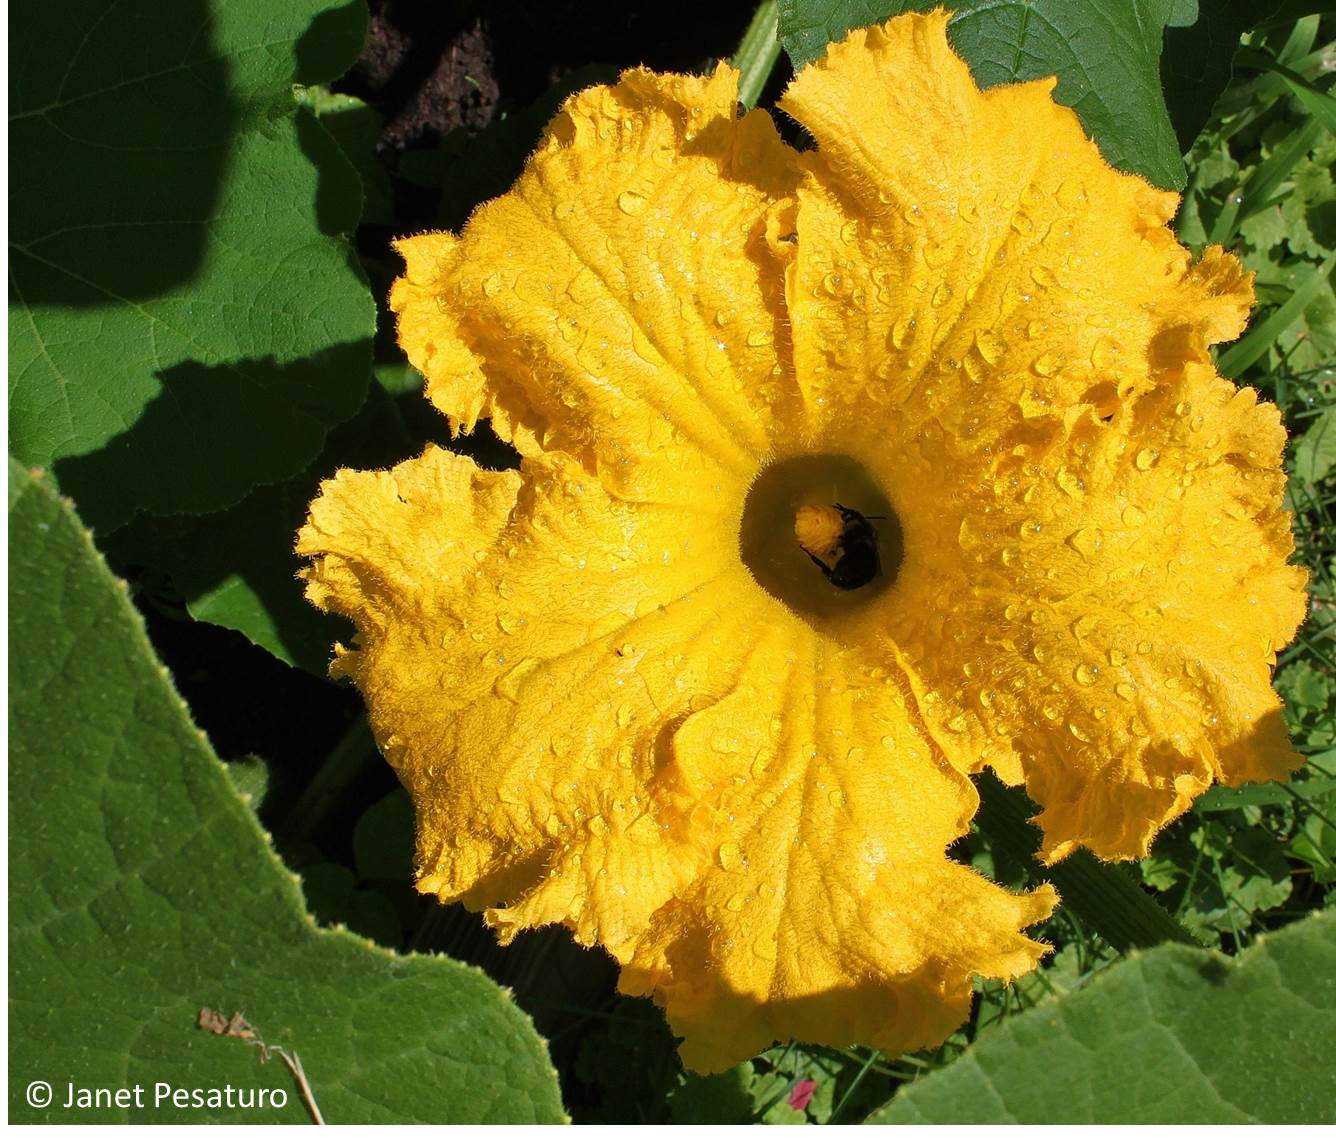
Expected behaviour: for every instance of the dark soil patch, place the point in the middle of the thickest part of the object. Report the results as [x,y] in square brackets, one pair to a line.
[430,68]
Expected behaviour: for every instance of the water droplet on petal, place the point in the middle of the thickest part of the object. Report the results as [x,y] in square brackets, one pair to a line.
[629,202]
[1104,355]
[1087,541]
[902,332]
[1084,625]
[990,346]
[730,857]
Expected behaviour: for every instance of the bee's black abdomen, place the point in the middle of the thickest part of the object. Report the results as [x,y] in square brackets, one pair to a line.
[858,566]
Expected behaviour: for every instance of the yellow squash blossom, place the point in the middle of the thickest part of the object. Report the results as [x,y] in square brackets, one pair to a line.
[845,474]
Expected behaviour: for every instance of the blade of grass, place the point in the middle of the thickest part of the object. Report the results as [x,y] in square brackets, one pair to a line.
[1316,101]
[1257,191]
[1253,346]
[757,53]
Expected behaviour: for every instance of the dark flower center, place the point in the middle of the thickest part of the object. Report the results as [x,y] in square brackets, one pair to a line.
[820,534]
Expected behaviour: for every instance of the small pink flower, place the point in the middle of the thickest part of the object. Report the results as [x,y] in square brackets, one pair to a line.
[801,1096]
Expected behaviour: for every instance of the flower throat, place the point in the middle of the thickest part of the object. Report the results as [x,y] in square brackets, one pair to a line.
[820,535]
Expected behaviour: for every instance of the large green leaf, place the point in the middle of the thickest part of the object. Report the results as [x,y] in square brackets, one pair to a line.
[142,890]
[236,568]
[1172,1035]
[1106,57]
[187,320]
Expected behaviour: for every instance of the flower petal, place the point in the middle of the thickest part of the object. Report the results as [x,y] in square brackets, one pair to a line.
[825,908]
[1104,620]
[521,643]
[654,752]
[623,301]
[969,257]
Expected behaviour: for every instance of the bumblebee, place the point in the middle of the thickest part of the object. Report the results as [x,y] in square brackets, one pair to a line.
[841,541]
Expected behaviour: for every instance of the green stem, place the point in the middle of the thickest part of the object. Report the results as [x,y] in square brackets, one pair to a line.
[1102,895]
[341,767]
[757,53]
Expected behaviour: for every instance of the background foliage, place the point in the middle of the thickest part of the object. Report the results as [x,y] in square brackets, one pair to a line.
[200,217]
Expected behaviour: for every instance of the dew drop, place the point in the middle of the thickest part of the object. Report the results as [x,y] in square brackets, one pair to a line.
[629,202]
[758,338]
[1133,515]
[1146,458]
[990,346]
[1084,625]
[1077,731]
[1042,276]
[1104,355]
[1086,541]
[837,798]
[1086,674]
[1069,483]
[1117,657]
[1045,364]
[730,857]
[508,685]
